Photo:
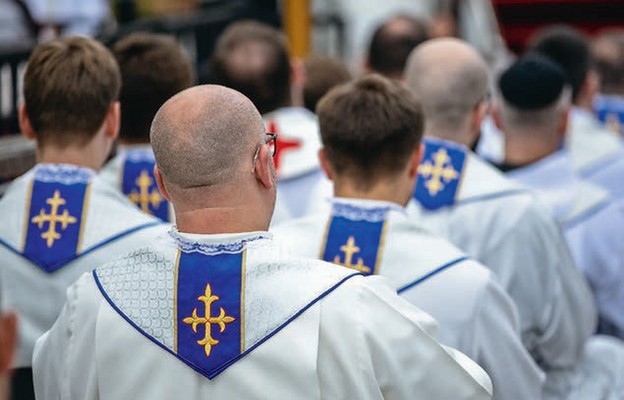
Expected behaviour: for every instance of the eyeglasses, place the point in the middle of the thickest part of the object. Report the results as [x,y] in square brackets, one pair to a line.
[271,141]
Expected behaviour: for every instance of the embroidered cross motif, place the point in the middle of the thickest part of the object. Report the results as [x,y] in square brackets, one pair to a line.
[53,218]
[439,173]
[144,197]
[208,320]
[349,249]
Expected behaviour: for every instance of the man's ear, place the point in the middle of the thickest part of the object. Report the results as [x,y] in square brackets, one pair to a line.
[591,85]
[161,183]
[112,121]
[8,340]
[325,165]
[477,116]
[414,160]
[496,118]
[24,123]
[562,125]
[264,170]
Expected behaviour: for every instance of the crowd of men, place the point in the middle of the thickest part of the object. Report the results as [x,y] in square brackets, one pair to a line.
[426,230]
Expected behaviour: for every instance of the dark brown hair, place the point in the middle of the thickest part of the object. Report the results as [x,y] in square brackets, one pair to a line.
[153,68]
[252,58]
[390,47]
[69,86]
[567,47]
[322,74]
[369,128]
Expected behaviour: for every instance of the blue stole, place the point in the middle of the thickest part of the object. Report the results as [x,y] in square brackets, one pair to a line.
[209,307]
[610,111]
[440,174]
[139,184]
[55,220]
[355,242]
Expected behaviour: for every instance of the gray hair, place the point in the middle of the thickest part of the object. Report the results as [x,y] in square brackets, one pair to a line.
[449,78]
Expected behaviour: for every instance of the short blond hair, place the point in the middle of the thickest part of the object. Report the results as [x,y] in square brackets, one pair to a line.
[69,86]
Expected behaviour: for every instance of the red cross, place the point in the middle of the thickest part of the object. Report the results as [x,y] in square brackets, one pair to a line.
[283,144]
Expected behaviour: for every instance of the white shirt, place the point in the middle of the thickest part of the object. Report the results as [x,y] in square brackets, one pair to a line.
[34,282]
[475,315]
[310,330]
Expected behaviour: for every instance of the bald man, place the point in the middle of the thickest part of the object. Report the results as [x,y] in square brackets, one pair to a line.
[494,220]
[215,310]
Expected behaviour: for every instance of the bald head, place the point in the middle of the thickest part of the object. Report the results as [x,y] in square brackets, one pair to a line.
[205,136]
[450,79]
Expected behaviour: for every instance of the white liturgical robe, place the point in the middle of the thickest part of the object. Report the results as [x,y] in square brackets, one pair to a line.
[231,317]
[501,224]
[59,221]
[591,225]
[591,146]
[302,186]
[597,248]
[475,315]
[575,204]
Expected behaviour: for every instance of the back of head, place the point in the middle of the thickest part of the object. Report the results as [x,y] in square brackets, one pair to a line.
[322,74]
[449,78]
[568,48]
[392,43]
[608,55]
[153,68]
[69,86]
[204,137]
[369,128]
[533,95]
[252,58]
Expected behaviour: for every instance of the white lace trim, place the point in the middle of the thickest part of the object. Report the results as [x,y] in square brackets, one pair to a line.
[65,174]
[139,155]
[211,249]
[362,213]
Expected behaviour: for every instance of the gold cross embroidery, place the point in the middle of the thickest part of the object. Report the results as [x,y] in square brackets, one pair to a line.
[144,197]
[441,172]
[53,218]
[207,320]
[349,249]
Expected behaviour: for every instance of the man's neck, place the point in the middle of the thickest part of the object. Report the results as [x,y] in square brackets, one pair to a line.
[135,142]
[463,138]
[81,157]
[220,209]
[522,150]
[219,220]
[380,192]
